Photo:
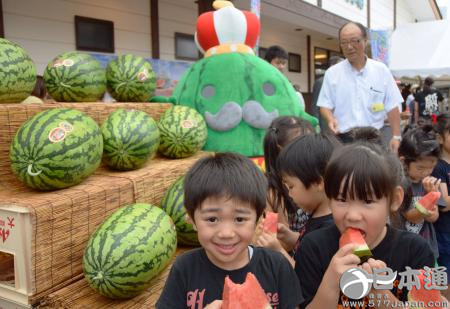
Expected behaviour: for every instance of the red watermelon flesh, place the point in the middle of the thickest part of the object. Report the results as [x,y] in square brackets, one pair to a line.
[423,295]
[248,295]
[427,202]
[271,223]
[354,236]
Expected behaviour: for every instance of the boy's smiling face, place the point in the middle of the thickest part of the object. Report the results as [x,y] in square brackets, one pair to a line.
[225,228]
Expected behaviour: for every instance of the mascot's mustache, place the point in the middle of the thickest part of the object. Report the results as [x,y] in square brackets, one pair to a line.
[231,114]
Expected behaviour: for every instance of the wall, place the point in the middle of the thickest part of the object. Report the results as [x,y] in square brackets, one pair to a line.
[46,28]
[347,10]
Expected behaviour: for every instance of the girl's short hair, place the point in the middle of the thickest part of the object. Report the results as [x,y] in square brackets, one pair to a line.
[306,157]
[228,175]
[281,131]
[362,171]
[366,134]
[442,124]
[418,143]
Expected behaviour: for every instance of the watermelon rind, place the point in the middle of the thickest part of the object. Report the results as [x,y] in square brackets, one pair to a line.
[75,77]
[56,148]
[17,73]
[128,250]
[130,138]
[421,209]
[130,78]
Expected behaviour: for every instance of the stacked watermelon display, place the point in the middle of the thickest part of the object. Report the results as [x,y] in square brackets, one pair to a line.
[75,77]
[130,138]
[130,79]
[173,204]
[129,249]
[183,132]
[17,73]
[56,148]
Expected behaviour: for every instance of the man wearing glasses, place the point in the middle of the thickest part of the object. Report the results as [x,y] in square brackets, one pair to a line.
[359,91]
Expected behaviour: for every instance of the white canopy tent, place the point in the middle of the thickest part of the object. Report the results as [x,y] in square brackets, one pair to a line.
[421,50]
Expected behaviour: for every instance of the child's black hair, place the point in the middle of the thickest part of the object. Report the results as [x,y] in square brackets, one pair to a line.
[361,171]
[306,157]
[442,124]
[228,175]
[367,134]
[275,51]
[418,143]
[282,131]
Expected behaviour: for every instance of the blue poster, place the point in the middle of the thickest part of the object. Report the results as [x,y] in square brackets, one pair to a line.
[379,43]
[168,72]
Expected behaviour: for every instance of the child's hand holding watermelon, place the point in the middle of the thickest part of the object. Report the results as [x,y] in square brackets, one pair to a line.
[217,304]
[343,260]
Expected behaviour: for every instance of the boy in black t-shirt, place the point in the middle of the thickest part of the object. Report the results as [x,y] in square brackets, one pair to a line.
[225,195]
[427,101]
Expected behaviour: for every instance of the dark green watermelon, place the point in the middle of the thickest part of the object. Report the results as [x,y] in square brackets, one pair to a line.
[56,148]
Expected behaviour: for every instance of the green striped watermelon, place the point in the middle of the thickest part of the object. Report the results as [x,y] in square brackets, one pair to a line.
[183,132]
[130,78]
[128,250]
[17,73]
[75,77]
[173,204]
[56,148]
[130,137]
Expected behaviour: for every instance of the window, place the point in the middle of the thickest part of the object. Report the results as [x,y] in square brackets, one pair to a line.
[294,62]
[185,47]
[94,34]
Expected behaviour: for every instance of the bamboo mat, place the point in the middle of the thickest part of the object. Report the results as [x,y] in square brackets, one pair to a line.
[63,220]
[80,295]
[12,116]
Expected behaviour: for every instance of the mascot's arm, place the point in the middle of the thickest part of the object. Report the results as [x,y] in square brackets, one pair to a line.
[163,99]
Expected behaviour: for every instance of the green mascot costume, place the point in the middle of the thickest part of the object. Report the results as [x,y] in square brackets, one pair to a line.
[238,93]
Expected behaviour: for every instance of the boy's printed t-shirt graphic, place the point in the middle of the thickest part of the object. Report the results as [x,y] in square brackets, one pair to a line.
[398,249]
[195,282]
[431,104]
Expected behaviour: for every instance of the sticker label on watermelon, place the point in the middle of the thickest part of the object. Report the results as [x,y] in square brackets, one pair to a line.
[57,63]
[187,124]
[68,62]
[66,126]
[143,76]
[57,135]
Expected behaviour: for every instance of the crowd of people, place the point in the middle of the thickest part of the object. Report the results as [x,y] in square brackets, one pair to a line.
[320,184]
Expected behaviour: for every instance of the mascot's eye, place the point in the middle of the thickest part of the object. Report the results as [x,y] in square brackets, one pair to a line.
[268,88]
[208,91]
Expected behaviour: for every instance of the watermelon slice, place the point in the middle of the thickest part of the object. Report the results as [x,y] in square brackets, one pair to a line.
[422,295]
[248,295]
[271,223]
[427,202]
[354,236]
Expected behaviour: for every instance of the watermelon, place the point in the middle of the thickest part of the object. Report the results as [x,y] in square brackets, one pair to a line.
[427,203]
[56,148]
[130,78]
[75,77]
[130,138]
[17,73]
[183,132]
[421,295]
[248,295]
[128,250]
[354,236]
[271,222]
[173,204]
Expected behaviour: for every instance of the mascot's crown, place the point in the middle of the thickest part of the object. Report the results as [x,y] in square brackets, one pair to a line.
[226,30]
